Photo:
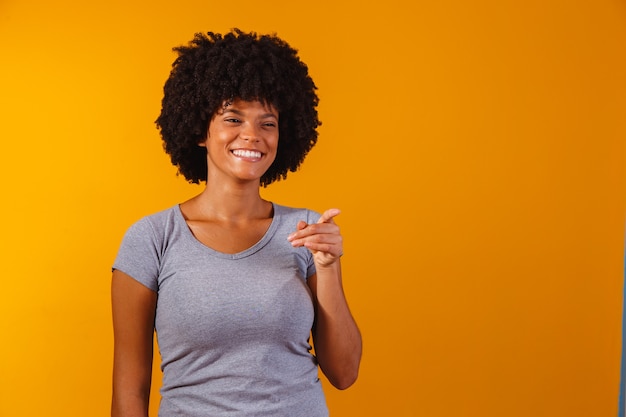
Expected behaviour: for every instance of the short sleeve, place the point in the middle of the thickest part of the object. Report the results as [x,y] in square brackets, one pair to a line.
[138,255]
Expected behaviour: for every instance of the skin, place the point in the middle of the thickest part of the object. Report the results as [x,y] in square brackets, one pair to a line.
[230,216]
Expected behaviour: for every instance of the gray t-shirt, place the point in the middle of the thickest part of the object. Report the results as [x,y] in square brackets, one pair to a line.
[232,329]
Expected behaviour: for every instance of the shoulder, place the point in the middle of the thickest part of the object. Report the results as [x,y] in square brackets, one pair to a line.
[155,224]
[296,214]
[162,217]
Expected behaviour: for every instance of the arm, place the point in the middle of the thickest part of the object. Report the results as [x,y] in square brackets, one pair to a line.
[134,307]
[336,336]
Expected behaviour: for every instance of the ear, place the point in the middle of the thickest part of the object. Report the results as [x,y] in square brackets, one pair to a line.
[202,143]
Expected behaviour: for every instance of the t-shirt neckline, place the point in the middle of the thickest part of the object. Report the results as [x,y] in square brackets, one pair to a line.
[267,236]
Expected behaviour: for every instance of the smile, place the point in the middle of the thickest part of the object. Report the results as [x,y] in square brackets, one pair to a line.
[244,153]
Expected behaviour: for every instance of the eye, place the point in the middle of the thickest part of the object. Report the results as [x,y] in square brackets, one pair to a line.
[269,124]
[232,120]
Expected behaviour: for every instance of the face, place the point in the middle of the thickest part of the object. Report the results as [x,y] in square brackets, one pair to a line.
[242,140]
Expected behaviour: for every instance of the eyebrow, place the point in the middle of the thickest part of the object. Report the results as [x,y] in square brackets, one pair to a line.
[240,113]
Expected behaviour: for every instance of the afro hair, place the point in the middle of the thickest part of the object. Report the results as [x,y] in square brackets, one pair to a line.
[215,68]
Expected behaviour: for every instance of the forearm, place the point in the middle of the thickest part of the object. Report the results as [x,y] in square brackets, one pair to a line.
[336,336]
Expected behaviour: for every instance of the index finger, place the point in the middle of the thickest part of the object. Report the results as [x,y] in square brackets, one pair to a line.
[328,215]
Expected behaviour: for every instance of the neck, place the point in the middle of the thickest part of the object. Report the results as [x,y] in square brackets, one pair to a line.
[229,203]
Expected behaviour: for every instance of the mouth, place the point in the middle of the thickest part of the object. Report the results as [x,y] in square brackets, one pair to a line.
[247,153]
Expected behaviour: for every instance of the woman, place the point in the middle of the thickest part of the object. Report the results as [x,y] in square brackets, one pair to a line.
[233,285]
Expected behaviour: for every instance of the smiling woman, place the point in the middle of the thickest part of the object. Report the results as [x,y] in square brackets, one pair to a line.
[264,69]
[234,285]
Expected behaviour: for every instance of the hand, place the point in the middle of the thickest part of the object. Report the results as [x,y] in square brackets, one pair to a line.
[322,238]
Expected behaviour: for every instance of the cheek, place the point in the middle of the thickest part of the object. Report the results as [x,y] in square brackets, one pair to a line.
[274,141]
[274,151]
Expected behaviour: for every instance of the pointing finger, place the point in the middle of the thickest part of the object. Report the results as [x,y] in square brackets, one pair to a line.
[328,215]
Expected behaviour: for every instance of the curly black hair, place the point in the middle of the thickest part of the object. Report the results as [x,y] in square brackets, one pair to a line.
[213,69]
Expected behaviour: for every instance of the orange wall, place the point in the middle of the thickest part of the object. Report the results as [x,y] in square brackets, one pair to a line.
[477,150]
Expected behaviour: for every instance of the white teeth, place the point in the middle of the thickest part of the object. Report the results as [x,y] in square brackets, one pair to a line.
[247,154]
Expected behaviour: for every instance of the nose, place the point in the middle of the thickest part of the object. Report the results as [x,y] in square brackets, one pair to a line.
[249,132]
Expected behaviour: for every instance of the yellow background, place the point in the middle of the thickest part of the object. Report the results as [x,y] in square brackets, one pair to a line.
[476,148]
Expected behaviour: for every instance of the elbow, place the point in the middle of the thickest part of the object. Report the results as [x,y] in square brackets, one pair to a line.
[344,377]
[341,364]
[344,381]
